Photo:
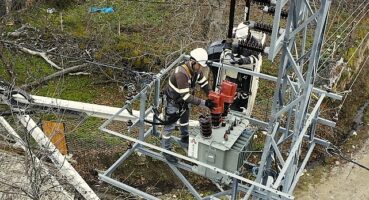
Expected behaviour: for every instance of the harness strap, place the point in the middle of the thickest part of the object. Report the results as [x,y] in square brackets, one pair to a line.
[187,70]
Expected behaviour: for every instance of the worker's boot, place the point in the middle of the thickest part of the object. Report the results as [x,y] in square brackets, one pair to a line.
[166,144]
[184,137]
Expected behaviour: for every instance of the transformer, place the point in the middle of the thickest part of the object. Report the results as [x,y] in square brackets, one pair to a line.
[226,148]
[223,140]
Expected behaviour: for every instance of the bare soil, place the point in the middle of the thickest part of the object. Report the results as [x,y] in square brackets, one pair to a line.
[344,181]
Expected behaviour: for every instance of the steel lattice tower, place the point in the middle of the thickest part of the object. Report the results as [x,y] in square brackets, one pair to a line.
[294,113]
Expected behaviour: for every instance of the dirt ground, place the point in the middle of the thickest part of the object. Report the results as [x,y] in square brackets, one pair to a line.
[344,181]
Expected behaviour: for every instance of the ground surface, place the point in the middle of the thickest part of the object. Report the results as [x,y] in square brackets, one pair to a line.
[15,184]
[344,181]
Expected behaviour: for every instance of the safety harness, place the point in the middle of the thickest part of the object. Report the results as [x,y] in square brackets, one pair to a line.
[173,117]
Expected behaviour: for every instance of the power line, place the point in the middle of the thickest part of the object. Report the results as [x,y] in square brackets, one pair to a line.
[353,82]
[343,39]
[334,17]
[352,56]
[347,20]
[346,27]
[333,150]
[352,28]
[361,43]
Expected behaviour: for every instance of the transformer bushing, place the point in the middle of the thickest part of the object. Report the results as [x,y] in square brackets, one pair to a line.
[205,126]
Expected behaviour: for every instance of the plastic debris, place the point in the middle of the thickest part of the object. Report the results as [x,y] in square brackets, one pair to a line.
[354,133]
[101,10]
[50,10]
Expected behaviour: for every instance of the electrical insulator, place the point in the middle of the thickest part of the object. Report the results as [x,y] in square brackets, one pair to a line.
[266,28]
[271,10]
[264,2]
[251,45]
[205,126]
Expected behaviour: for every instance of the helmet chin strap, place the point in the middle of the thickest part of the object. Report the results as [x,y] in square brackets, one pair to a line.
[191,63]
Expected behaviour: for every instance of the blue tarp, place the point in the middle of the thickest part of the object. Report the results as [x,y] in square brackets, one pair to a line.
[102,10]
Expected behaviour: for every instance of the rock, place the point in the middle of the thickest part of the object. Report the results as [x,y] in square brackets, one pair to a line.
[337,162]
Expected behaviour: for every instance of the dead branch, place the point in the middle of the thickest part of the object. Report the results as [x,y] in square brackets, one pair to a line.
[54,75]
[41,54]
[80,73]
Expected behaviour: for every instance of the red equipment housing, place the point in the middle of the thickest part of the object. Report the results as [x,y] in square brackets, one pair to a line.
[222,100]
[228,91]
[218,100]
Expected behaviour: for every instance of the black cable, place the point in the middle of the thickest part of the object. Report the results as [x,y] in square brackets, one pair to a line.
[333,150]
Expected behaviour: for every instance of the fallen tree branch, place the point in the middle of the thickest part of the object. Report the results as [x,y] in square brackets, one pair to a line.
[80,73]
[54,75]
[41,54]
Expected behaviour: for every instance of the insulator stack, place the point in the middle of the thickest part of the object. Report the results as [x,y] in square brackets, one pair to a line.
[262,2]
[251,45]
[205,126]
[271,10]
[216,119]
[267,28]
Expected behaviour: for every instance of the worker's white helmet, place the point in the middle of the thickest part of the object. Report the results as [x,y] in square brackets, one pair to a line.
[200,55]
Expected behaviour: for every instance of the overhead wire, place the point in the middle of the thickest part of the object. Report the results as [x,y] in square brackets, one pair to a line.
[334,150]
[339,38]
[342,40]
[334,17]
[346,21]
[317,70]
[348,61]
[353,82]
[352,56]
[361,43]
[346,28]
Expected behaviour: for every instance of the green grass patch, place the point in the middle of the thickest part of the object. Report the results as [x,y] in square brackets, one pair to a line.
[27,68]
[74,88]
[89,133]
[79,22]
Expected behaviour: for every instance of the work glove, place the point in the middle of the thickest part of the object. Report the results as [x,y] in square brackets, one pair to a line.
[210,104]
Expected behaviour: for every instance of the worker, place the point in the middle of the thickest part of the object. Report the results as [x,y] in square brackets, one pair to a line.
[179,93]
